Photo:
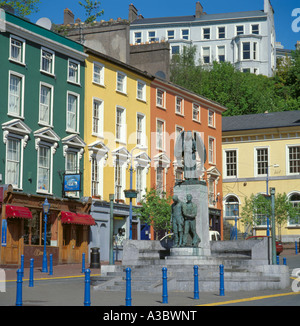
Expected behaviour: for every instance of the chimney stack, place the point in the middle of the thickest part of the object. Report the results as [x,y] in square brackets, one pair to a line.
[199,9]
[68,17]
[133,13]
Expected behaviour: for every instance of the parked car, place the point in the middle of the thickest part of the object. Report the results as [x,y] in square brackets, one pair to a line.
[214,236]
[279,246]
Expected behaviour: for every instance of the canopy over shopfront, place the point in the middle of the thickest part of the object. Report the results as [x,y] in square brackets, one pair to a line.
[17,212]
[76,218]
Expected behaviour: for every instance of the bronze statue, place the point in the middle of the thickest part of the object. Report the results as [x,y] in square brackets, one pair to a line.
[177,221]
[189,211]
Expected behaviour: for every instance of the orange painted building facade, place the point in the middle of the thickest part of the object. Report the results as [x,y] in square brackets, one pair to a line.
[174,109]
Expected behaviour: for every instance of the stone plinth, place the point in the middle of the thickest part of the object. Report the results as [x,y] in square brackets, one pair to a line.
[200,198]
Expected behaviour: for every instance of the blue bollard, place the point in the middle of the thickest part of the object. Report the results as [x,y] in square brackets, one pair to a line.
[19,288]
[83,263]
[165,285]
[296,248]
[31,284]
[284,261]
[222,293]
[22,265]
[50,264]
[128,298]
[196,283]
[277,260]
[87,288]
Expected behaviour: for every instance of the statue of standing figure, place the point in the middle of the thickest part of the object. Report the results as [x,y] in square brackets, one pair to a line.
[177,221]
[183,219]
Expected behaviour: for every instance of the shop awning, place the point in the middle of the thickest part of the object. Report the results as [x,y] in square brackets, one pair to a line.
[17,212]
[80,219]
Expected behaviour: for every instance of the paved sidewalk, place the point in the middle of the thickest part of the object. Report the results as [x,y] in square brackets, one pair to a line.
[66,288]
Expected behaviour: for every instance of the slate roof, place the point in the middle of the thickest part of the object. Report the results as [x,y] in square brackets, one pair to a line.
[261,121]
[203,18]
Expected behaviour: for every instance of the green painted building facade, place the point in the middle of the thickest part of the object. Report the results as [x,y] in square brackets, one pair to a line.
[41,106]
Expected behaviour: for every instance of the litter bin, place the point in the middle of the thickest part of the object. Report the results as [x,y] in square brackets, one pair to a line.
[95,258]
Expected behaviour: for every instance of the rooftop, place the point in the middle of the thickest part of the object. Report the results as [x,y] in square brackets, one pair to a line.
[261,121]
[202,18]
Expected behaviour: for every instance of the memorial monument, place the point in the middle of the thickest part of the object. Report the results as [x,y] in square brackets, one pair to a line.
[190,198]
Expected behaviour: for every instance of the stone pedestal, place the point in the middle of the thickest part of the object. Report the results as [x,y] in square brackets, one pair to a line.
[200,198]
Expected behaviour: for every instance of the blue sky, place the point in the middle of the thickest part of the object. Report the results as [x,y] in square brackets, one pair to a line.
[162,8]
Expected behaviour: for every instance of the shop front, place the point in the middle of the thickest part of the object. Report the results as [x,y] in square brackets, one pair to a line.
[22,228]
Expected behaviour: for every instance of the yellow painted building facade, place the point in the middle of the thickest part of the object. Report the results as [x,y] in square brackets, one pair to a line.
[259,152]
[117,134]
[117,111]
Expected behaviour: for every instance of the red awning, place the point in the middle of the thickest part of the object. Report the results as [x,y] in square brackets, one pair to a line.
[17,212]
[80,219]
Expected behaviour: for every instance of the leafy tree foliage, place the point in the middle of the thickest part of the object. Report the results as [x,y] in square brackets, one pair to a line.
[22,8]
[241,93]
[257,208]
[155,210]
[92,10]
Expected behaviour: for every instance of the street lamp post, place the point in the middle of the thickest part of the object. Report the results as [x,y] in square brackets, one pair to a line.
[267,192]
[131,193]
[235,212]
[46,207]
[272,191]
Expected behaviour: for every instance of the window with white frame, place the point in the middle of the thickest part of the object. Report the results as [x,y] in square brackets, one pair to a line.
[231,207]
[45,107]
[160,179]
[246,51]
[211,150]
[171,35]
[293,159]
[262,161]
[121,82]
[73,71]
[221,53]
[98,73]
[13,162]
[175,49]
[196,112]
[16,94]
[206,55]
[140,183]
[151,36]
[72,112]
[185,34]
[118,179]
[44,168]
[98,117]
[295,200]
[95,177]
[221,32]
[138,37]
[17,49]
[239,30]
[179,105]
[141,90]
[255,29]
[160,128]
[121,124]
[206,33]
[211,118]
[140,130]
[160,98]
[47,61]
[71,162]
[231,163]
[255,57]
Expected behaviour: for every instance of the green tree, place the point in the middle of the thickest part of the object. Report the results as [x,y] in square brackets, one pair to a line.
[155,210]
[258,207]
[22,8]
[92,10]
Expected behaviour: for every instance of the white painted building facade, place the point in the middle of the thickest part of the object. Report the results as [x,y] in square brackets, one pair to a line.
[246,39]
